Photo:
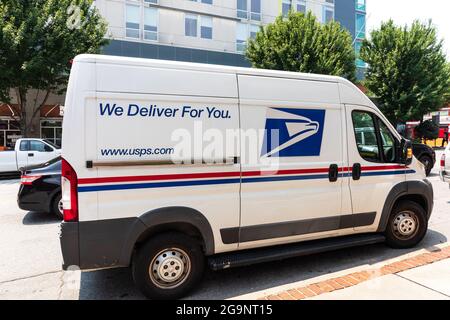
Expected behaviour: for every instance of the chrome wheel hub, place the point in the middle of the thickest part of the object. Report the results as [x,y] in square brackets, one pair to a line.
[169,268]
[405,225]
[60,206]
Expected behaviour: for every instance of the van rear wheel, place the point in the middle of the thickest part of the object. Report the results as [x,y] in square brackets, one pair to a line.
[168,266]
[407,225]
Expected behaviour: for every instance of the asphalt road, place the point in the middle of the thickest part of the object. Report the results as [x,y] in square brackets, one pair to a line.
[30,259]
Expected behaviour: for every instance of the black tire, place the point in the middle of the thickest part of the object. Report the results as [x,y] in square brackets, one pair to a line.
[150,256]
[55,206]
[399,232]
[428,163]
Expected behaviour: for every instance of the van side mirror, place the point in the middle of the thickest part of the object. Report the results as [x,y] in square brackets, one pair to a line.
[406,152]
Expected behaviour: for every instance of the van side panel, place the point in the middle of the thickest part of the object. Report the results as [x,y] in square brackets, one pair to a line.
[171,81]
[291,198]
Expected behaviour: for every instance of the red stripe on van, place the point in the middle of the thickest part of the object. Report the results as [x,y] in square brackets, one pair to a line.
[199,175]
[160,177]
[283,172]
[223,174]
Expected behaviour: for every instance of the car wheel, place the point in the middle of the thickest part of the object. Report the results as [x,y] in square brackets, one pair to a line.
[57,206]
[407,225]
[168,266]
[428,163]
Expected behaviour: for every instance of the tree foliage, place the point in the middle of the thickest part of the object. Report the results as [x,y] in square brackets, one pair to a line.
[301,43]
[427,130]
[38,38]
[407,70]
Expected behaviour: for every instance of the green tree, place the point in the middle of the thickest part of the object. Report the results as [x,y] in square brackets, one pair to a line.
[427,130]
[301,43]
[407,70]
[38,39]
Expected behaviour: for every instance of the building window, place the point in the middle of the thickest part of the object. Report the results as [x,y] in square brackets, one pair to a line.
[151,1]
[361,5]
[301,6]
[241,37]
[134,16]
[253,30]
[286,7]
[190,25]
[206,27]
[360,26]
[150,24]
[328,13]
[193,28]
[359,62]
[243,12]
[52,130]
[244,32]
[255,10]
[9,133]
[132,21]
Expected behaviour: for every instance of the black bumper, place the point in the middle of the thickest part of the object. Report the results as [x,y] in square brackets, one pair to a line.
[69,244]
[99,244]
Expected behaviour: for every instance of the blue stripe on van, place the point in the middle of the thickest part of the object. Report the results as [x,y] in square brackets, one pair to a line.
[387,173]
[170,184]
[157,185]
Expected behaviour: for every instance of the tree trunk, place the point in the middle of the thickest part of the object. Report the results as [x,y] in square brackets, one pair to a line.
[29,115]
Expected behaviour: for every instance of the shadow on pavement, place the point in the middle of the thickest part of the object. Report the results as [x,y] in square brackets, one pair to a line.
[32,218]
[118,283]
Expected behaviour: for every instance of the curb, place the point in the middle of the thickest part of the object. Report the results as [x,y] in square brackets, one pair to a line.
[353,279]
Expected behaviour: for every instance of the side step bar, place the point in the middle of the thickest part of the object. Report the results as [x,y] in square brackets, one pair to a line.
[254,256]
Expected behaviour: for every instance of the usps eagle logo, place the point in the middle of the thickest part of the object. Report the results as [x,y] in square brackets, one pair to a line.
[293,132]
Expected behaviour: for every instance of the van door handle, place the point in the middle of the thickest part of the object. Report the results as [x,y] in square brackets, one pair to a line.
[356,171]
[333,173]
[31,154]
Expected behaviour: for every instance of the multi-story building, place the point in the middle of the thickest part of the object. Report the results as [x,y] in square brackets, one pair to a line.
[211,31]
[206,31]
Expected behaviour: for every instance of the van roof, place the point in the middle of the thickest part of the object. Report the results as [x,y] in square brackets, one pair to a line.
[349,93]
[107,59]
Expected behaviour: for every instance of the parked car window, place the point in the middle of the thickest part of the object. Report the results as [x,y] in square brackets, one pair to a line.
[24,146]
[37,146]
[365,134]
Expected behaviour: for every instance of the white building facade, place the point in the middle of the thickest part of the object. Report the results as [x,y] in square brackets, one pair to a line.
[210,31]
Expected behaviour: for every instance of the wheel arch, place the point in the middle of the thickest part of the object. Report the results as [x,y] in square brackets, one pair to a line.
[418,191]
[180,219]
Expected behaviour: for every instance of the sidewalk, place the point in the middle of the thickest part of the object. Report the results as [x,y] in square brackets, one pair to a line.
[420,276]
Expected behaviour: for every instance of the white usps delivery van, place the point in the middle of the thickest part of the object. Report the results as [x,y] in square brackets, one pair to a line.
[170,167]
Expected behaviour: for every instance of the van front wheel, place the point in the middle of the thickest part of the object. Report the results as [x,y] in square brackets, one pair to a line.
[407,225]
[168,266]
